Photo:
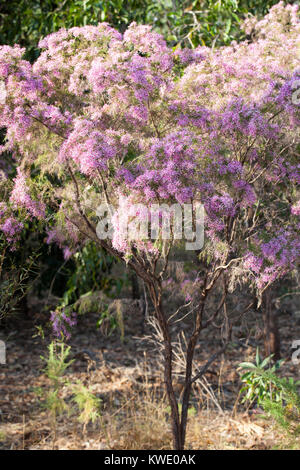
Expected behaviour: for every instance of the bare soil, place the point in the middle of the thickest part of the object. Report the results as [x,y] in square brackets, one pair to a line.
[126,374]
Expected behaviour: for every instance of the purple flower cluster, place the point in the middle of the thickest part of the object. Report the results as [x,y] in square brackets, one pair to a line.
[12,229]
[20,197]
[62,323]
[274,258]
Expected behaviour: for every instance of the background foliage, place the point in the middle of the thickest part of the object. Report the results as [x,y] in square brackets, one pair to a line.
[186,22]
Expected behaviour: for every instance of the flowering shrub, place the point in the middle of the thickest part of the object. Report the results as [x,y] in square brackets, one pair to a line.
[104,115]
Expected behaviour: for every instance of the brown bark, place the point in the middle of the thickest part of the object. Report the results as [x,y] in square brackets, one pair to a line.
[156,293]
[271,331]
[134,286]
[189,369]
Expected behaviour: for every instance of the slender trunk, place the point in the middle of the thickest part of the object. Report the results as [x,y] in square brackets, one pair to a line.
[187,390]
[177,443]
[188,372]
[144,308]
[168,358]
[179,423]
[135,286]
[271,331]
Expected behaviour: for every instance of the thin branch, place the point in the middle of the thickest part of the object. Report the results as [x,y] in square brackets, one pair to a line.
[212,359]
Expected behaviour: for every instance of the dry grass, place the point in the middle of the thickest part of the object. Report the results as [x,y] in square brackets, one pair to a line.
[140,421]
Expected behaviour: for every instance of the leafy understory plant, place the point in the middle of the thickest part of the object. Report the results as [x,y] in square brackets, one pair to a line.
[56,365]
[112,318]
[88,404]
[256,377]
[91,273]
[278,396]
